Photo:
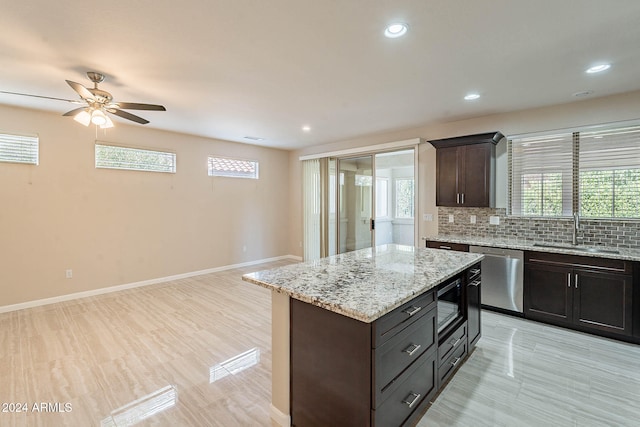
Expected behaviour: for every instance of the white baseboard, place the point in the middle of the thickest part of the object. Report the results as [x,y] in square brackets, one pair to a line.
[77,295]
[279,417]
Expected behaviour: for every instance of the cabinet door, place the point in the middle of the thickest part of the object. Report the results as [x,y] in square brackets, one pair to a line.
[603,301]
[548,293]
[474,172]
[473,312]
[447,176]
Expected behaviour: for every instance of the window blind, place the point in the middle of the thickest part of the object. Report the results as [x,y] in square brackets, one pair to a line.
[311,208]
[609,173]
[19,149]
[116,157]
[541,170]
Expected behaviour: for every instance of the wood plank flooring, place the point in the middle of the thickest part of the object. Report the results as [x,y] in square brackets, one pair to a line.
[153,355]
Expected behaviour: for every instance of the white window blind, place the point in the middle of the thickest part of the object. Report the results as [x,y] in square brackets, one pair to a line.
[541,175]
[234,168]
[18,149]
[311,208]
[116,157]
[609,173]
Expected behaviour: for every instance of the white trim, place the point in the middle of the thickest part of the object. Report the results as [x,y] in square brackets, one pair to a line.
[109,289]
[408,143]
[279,417]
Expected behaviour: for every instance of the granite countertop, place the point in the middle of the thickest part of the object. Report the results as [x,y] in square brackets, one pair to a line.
[368,283]
[529,245]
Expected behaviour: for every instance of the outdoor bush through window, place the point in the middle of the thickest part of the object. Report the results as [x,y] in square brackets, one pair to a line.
[404,198]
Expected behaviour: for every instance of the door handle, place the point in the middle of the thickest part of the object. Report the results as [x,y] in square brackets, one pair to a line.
[569,280]
[412,310]
[463,198]
[412,349]
[576,281]
[416,396]
[458,198]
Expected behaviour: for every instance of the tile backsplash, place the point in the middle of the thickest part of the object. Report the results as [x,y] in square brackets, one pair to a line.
[593,232]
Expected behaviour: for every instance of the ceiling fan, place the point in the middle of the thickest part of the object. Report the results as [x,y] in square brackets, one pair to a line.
[98,104]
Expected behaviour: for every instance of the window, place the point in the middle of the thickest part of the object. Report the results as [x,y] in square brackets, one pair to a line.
[404,198]
[609,173]
[382,197]
[593,172]
[541,175]
[18,149]
[235,168]
[136,159]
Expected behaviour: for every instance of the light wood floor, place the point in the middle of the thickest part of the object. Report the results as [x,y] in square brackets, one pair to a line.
[152,354]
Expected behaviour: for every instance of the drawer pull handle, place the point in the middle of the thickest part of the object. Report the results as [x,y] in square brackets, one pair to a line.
[412,349]
[475,271]
[412,310]
[455,362]
[475,283]
[445,247]
[455,342]
[416,396]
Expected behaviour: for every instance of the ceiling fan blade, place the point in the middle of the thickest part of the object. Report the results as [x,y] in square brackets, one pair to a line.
[128,116]
[74,101]
[82,91]
[74,111]
[137,106]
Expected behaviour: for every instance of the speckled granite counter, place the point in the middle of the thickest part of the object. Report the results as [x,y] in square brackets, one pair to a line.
[368,283]
[527,245]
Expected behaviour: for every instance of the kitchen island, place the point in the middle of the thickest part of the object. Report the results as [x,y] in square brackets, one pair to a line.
[363,345]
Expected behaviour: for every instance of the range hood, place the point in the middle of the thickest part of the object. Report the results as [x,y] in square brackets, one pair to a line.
[480,138]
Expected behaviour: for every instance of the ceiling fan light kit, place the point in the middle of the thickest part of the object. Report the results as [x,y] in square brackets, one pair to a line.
[98,104]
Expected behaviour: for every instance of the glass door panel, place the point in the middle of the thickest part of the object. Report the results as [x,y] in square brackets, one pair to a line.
[355,201]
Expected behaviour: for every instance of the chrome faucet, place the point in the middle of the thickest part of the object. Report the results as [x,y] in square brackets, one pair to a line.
[576,227]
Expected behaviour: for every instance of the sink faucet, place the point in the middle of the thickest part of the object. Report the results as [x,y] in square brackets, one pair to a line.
[576,227]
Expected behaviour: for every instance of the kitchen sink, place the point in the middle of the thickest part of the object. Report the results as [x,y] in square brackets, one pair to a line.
[578,248]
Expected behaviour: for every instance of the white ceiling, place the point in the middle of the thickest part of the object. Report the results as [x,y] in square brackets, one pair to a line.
[236,68]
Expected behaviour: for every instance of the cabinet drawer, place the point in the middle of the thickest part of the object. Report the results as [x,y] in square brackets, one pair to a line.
[416,384]
[399,352]
[452,362]
[450,344]
[391,323]
[449,246]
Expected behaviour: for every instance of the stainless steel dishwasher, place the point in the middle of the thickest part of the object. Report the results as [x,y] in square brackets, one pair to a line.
[502,271]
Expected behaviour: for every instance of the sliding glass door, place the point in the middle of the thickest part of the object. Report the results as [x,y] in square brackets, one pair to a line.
[355,201]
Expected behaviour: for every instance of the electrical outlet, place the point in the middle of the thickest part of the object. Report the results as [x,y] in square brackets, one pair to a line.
[450,217]
[427,217]
[472,219]
[494,220]
[68,274]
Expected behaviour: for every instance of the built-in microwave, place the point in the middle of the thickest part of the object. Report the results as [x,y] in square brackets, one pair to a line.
[450,300]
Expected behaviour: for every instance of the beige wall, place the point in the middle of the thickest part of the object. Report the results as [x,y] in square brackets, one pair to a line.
[573,114]
[118,227]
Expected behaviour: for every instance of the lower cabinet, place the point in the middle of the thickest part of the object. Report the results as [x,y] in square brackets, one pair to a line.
[474,303]
[585,293]
[349,373]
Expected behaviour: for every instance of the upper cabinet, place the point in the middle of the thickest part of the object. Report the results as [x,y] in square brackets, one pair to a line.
[466,170]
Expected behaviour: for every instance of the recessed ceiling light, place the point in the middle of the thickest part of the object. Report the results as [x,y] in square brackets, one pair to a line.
[598,68]
[306,128]
[395,30]
[471,97]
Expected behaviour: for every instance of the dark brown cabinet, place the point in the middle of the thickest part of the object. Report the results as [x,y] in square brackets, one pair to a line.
[465,170]
[584,293]
[474,283]
[347,372]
